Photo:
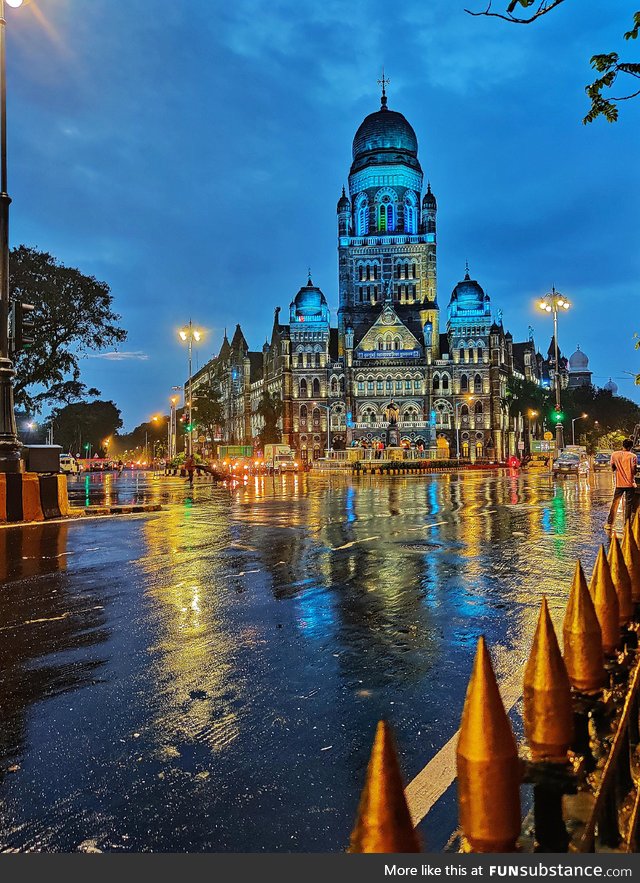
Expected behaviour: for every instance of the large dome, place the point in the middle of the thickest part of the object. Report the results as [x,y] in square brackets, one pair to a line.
[578,361]
[385,137]
[611,387]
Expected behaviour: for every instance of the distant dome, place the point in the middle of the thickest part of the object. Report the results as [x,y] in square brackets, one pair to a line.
[578,361]
[309,301]
[611,387]
[343,202]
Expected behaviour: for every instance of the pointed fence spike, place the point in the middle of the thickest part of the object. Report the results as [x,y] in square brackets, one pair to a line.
[631,555]
[582,637]
[488,765]
[621,580]
[383,823]
[548,715]
[605,601]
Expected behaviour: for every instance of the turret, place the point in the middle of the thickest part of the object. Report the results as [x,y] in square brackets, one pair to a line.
[344,214]
[429,210]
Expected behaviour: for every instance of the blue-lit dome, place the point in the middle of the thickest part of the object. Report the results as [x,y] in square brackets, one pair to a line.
[309,301]
[385,137]
[468,294]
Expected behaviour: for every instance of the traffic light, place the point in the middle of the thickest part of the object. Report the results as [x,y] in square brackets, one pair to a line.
[558,415]
[21,326]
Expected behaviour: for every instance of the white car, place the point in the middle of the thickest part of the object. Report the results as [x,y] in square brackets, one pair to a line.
[69,465]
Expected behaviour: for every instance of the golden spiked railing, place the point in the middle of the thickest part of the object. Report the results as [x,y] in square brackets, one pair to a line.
[582,730]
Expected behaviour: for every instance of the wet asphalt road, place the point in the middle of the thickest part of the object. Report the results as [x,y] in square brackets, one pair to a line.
[209,677]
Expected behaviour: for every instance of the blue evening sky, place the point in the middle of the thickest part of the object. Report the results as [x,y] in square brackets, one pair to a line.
[191,153]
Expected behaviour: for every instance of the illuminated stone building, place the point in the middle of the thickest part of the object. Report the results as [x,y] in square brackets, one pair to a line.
[442,379]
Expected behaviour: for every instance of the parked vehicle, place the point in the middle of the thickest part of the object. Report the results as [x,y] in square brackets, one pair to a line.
[602,461]
[280,458]
[69,465]
[538,463]
[568,463]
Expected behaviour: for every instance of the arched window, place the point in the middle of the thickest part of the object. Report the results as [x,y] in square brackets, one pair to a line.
[342,384]
[389,385]
[316,388]
[462,353]
[443,415]
[414,271]
[316,416]
[334,386]
[387,341]
[445,383]
[386,214]
[303,389]
[396,343]
[410,213]
[436,383]
[303,413]
[477,384]
[464,383]
[478,409]
[368,415]
[362,216]
[380,343]
[480,354]
[464,412]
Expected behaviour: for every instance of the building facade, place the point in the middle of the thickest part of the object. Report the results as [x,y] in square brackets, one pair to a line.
[392,360]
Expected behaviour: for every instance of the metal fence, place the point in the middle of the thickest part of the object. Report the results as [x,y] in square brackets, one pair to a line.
[581,755]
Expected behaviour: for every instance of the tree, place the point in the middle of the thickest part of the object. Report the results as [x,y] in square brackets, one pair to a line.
[524,396]
[609,418]
[607,64]
[270,409]
[152,434]
[73,315]
[84,426]
[208,410]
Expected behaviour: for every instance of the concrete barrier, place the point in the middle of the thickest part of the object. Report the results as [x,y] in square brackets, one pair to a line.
[31,504]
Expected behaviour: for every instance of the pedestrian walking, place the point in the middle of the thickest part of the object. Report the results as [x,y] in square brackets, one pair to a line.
[624,465]
[190,465]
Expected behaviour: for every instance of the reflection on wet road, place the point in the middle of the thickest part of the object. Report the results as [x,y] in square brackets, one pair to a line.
[209,677]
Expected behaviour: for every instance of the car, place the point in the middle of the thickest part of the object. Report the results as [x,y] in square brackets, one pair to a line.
[567,463]
[538,463]
[602,461]
[69,465]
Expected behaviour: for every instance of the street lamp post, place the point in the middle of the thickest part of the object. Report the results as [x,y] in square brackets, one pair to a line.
[188,334]
[553,302]
[9,444]
[531,414]
[573,427]
[467,400]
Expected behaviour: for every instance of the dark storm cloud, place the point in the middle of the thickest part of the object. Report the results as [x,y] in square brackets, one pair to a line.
[191,154]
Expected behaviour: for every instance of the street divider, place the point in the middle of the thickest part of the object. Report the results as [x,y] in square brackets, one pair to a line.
[31,497]
[581,752]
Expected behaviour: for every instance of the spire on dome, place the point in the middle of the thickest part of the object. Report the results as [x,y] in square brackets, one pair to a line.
[466,271]
[309,281]
[384,81]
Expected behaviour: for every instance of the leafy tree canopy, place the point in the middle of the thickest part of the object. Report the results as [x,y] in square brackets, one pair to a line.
[208,413]
[607,64]
[153,433]
[270,409]
[85,423]
[73,315]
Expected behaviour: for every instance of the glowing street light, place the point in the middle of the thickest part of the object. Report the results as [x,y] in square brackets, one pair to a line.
[187,335]
[553,302]
[573,426]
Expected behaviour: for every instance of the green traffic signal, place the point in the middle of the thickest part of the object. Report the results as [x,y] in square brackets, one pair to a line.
[557,417]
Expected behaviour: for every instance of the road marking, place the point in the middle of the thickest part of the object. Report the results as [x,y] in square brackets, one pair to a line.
[430,784]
